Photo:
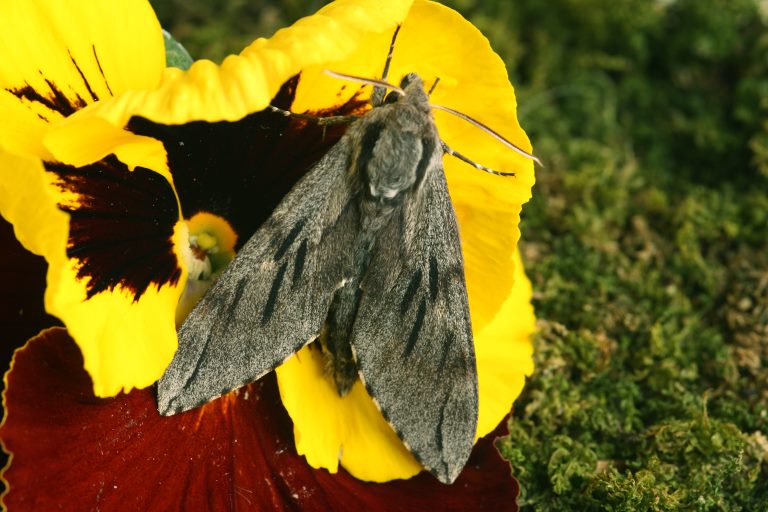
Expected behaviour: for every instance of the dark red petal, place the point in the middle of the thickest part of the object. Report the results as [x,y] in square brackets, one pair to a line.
[72,451]
[22,284]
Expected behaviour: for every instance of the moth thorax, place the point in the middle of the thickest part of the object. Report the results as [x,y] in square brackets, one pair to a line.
[393,167]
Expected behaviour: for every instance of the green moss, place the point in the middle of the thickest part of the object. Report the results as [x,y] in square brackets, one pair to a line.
[646,241]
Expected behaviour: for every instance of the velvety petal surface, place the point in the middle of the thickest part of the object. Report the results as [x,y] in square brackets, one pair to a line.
[73,451]
[108,230]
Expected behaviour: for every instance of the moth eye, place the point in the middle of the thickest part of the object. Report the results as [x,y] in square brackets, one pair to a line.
[392,97]
[407,79]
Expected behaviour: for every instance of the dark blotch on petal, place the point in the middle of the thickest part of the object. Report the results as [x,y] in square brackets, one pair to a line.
[121,232]
[241,170]
[94,96]
[101,71]
[236,453]
[54,98]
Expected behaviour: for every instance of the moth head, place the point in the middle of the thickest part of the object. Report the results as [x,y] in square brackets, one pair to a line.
[411,81]
[413,87]
[412,90]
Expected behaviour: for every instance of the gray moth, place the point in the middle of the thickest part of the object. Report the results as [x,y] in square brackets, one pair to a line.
[362,255]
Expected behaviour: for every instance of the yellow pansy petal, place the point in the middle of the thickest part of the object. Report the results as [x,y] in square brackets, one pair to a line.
[21,130]
[27,201]
[106,279]
[59,56]
[329,428]
[126,342]
[122,273]
[103,322]
[92,139]
[504,353]
[96,48]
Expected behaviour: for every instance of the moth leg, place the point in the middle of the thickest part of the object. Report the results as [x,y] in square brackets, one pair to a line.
[474,164]
[339,360]
[322,121]
[434,85]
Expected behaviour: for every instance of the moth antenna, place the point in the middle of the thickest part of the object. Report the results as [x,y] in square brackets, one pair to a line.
[322,121]
[377,98]
[370,81]
[489,131]
[434,84]
[471,162]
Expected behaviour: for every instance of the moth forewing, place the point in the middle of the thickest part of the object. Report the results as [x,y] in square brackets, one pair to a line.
[271,299]
[414,321]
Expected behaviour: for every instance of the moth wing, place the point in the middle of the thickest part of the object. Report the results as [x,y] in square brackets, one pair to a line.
[274,296]
[412,335]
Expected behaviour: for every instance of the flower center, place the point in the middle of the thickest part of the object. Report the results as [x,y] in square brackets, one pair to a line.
[211,248]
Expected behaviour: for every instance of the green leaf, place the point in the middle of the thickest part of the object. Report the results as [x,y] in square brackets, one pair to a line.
[176,56]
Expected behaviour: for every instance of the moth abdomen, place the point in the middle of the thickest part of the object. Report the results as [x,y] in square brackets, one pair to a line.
[335,335]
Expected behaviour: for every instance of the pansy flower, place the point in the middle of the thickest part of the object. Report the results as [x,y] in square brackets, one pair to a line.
[139,183]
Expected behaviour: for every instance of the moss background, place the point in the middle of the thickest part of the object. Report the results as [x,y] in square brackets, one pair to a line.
[646,240]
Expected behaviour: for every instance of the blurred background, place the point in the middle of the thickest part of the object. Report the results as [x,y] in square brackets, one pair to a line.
[646,240]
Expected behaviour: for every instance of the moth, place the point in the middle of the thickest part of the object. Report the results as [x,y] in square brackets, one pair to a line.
[363,255]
